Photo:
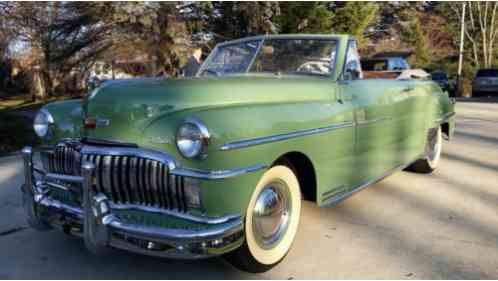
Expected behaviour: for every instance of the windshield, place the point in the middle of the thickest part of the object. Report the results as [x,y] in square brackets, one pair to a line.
[277,56]
[230,59]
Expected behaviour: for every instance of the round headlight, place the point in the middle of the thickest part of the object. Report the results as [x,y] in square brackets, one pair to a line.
[192,138]
[42,121]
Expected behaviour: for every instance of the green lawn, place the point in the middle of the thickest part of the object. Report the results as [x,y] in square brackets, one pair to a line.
[24,103]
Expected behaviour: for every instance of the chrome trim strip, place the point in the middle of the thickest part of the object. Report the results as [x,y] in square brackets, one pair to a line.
[342,195]
[332,192]
[371,121]
[52,203]
[216,175]
[445,117]
[126,151]
[261,42]
[61,177]
[174,235]
[203,219]
[39,170]
[59,186]
[281,137]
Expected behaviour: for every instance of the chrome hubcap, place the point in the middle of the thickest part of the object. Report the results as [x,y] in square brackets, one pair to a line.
[434,146]
[271,214]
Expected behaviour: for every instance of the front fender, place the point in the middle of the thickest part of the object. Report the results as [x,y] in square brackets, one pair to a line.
[240,122]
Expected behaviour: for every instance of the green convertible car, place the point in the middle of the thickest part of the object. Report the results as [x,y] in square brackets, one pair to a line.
[218,164]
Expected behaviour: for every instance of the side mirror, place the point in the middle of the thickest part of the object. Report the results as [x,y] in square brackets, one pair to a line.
[352,72]
[93,83]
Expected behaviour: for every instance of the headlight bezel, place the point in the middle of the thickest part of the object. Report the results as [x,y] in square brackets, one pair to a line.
[41,125]
[202,134]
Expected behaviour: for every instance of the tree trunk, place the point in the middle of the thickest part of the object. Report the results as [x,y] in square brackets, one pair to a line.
[37,89]
[46,84]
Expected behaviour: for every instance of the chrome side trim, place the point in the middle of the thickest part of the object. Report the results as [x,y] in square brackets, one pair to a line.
[281,137]
[261,42]
[445,117]
[342,195]
[216,175]
[372,121]
[332,192]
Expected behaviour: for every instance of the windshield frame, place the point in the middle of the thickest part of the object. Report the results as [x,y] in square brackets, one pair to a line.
[262,39]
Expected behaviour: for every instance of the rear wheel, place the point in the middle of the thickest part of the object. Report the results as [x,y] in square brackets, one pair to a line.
[271,223]
[433,148]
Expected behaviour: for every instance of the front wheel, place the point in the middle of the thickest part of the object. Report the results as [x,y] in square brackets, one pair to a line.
[271,223]
[433,148]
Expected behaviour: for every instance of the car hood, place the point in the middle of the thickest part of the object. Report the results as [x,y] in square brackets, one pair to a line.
[125,109]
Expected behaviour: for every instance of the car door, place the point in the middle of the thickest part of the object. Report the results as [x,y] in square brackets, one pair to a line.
[375,141]
[411,105]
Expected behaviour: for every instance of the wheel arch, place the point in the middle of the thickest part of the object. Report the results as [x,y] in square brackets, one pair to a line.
[445,128]
[303,167]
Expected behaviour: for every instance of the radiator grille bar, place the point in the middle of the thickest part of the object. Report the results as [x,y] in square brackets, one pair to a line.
[123,179]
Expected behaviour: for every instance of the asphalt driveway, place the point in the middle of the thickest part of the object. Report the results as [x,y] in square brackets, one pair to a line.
[408,226]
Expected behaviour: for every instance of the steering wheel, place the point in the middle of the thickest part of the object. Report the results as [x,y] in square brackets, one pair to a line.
[314,67]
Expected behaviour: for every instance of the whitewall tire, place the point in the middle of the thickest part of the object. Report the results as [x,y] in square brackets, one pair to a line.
[271,223]
[433,148]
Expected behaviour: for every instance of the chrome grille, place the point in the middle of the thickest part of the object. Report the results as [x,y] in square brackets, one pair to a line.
[124,179]
[62,160]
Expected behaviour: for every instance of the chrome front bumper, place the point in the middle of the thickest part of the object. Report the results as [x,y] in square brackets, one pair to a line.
[97,220]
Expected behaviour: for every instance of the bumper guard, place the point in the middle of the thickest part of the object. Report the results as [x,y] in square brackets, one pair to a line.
[101,228]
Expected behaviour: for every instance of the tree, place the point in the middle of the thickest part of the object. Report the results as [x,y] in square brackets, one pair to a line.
[306,17]
[481,29]
[5,68]
[354,18]
[4,38]
[414,36]
[239,19]
[156,25]
[60,35]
